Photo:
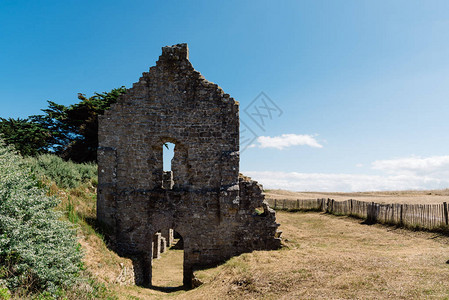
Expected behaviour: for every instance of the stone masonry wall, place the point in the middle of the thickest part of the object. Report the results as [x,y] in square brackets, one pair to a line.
[203,198]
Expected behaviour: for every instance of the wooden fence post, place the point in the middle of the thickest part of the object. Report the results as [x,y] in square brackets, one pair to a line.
[376,211]
[401,220]
[445,213]
[275,203]
[368,213]
[372,213]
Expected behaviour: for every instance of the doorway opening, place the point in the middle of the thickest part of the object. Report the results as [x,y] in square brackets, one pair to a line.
[168,261]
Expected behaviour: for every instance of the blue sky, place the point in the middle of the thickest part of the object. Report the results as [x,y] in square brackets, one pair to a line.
[362,85]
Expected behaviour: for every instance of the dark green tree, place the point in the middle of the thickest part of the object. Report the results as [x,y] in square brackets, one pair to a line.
[69,131]
[82,122]
[75,128]
[27,136]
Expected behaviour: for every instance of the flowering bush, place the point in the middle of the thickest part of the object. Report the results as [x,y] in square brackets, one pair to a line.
[38,251]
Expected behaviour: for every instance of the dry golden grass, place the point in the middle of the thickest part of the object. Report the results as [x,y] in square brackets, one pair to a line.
[167,279]
[334,258]
[409,197]
[167,271]
[105,265]
[327,257]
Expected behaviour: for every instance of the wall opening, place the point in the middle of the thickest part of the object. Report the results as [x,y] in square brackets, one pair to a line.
[168,265]
[168,153]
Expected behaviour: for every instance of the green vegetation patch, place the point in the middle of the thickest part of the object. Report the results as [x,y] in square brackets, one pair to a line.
[38,251]
[66,174]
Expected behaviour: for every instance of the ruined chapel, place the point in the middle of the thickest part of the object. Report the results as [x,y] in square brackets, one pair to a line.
[218,213]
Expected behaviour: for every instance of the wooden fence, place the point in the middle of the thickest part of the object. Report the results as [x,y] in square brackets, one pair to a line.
[427,216]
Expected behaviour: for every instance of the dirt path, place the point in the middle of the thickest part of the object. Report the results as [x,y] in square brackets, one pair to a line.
[167,271]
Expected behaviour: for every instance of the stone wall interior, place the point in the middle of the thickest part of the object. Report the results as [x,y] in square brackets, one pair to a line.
[218,212]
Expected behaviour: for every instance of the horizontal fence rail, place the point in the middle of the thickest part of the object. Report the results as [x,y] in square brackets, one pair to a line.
[426,216]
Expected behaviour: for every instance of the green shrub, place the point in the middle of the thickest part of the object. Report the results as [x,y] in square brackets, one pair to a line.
[71,212]
[4,293]
[66,174]
[38,252]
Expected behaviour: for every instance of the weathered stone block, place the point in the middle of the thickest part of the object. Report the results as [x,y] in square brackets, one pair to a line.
[157,245]
[163,245]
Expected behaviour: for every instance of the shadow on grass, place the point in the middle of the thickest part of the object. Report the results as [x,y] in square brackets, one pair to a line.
[300,210]
[368,222]
[101,231]
[440,231]
[168,289]
[92,222]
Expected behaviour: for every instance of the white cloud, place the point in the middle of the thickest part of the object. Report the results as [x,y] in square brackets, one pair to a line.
[435,166]
[287,140]
[346,182]
[411,173]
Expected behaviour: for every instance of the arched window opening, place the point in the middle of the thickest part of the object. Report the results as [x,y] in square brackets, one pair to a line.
[168,260]
[168,153]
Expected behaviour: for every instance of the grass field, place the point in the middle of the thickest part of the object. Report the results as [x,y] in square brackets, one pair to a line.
[326,257]
[332,257]
[388,197]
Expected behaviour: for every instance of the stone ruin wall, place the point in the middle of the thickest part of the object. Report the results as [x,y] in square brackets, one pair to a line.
[203,199]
